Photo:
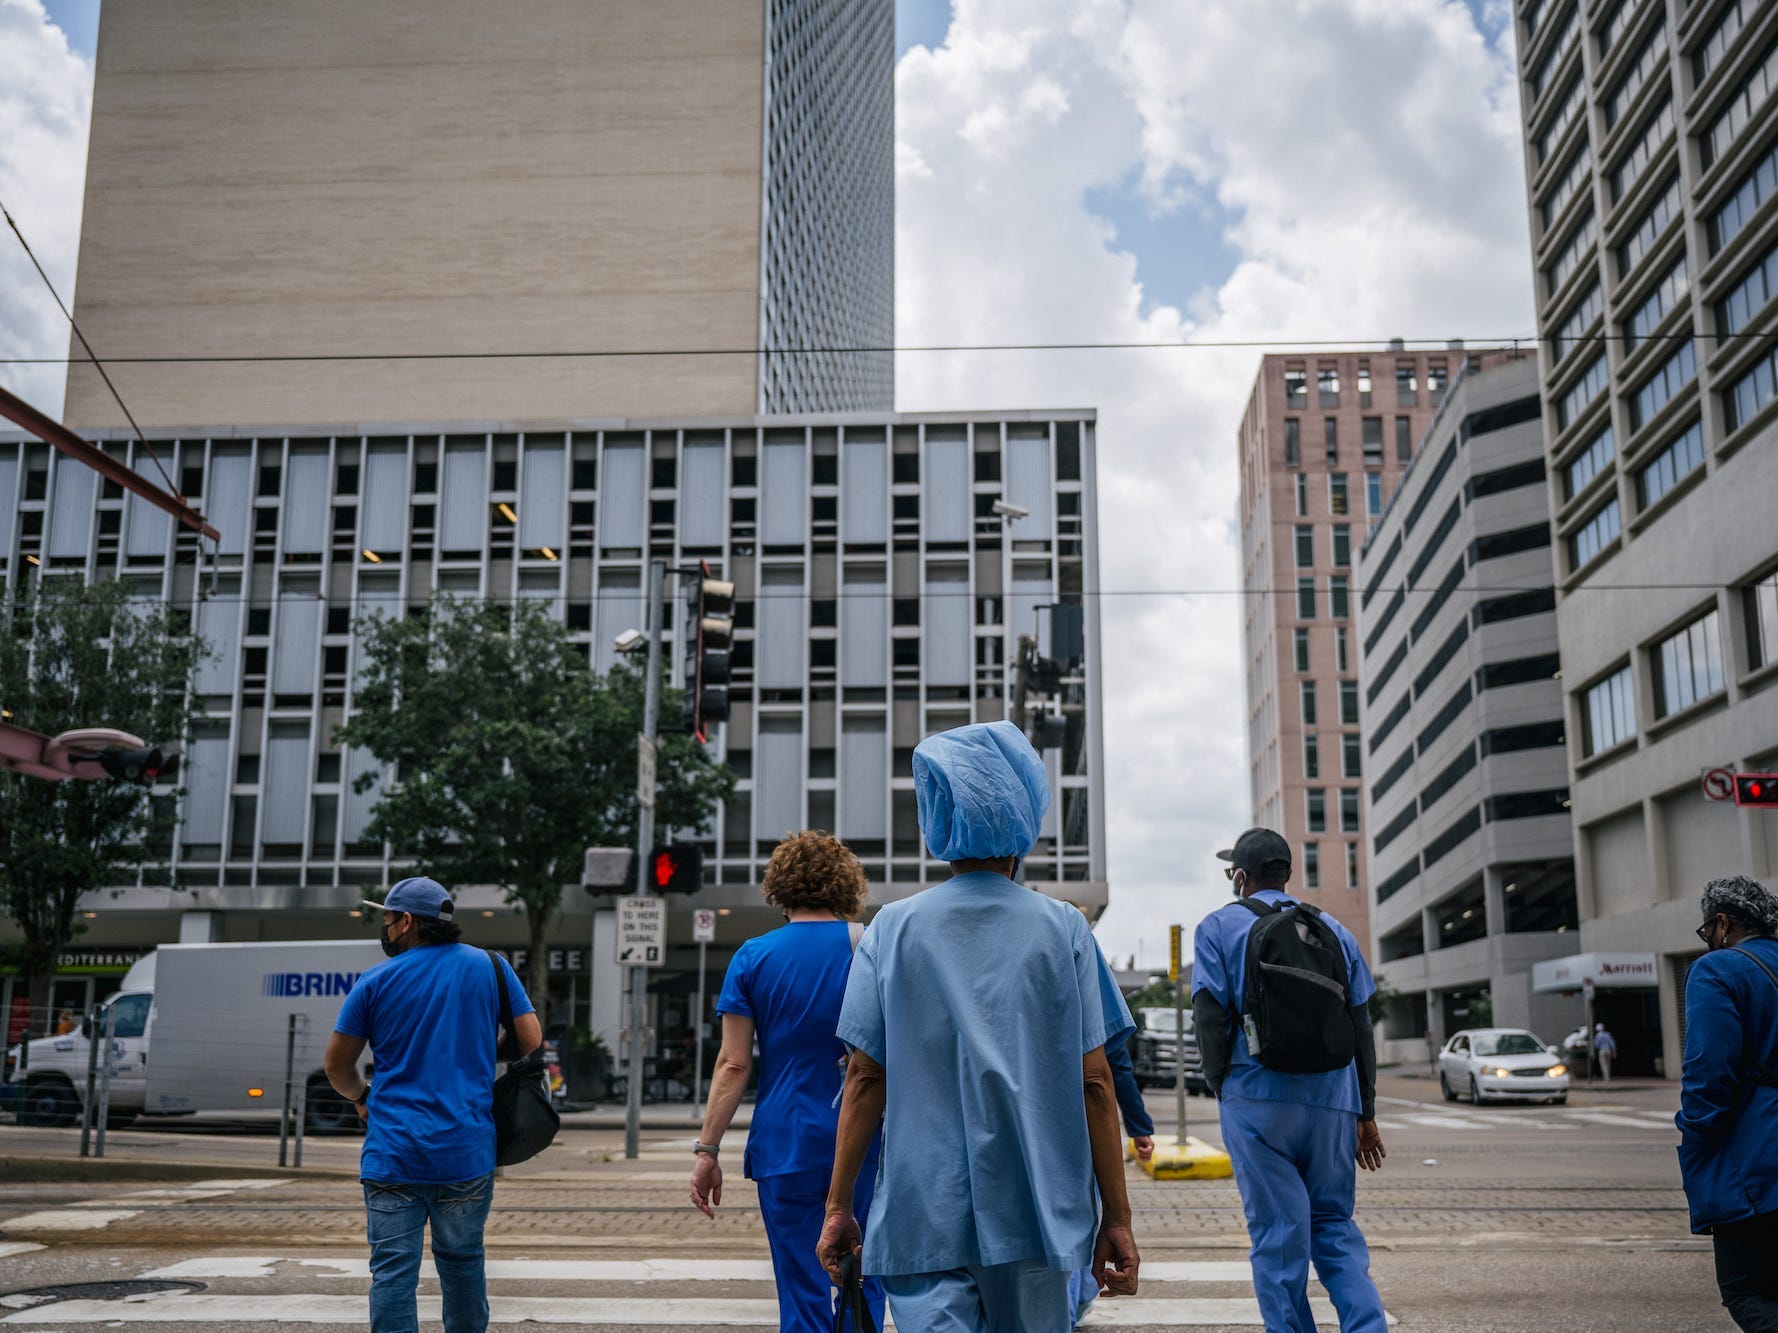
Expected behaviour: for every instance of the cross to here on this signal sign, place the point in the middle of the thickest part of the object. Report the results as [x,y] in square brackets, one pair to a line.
[641,931]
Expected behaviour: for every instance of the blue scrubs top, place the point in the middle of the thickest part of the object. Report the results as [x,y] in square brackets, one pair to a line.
[979,997]
[1219,965]
[790,983]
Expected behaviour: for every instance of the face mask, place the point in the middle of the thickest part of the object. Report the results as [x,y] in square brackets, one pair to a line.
[390,947]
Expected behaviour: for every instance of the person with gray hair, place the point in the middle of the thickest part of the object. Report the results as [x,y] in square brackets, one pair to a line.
[1728,1106]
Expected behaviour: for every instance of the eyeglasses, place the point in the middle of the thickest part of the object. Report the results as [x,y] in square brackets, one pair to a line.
[1228,872]
[1703,932]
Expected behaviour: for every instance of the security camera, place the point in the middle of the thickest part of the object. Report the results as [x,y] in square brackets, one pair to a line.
[1006,510]
[631,641]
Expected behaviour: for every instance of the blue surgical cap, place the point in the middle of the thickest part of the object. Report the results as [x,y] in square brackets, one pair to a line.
[982,792]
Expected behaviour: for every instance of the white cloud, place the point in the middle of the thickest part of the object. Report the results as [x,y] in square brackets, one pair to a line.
[45,106]
[1369,152]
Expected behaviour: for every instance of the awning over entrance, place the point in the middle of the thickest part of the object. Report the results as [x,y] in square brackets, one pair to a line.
[1602,969]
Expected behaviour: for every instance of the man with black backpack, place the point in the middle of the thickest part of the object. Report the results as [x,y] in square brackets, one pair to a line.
[430,1016]
[1279,995]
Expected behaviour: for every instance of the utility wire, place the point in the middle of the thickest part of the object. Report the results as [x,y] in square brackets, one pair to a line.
[1377,347]
[91,356]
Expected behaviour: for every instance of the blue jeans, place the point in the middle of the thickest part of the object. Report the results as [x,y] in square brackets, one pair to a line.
[396,1213]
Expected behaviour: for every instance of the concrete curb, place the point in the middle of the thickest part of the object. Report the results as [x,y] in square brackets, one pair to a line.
[38,1170]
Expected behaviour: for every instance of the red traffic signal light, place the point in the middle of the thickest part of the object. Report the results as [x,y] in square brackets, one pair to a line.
[675,868]
[1757,789]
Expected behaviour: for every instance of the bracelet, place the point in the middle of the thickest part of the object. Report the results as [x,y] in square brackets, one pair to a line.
[705,1149]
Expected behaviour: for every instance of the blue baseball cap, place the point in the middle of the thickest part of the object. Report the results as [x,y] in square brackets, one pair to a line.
[418,896]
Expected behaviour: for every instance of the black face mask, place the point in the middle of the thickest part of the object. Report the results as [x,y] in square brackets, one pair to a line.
[390,947]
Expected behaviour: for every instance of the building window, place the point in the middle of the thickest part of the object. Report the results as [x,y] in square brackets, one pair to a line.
[1311,756]
[1302,496]
[1747,298]
[1594,535]
[1610,712]
[1296,387]
[1688,666]
[1305,546]
[1311,866]
[1404,439]
[1336,494]
[1407,385]
[1348,809]
[1747,396]
[1341,651]
[1569,105]
[1660,388]
[1660,303]
[1650,223]
[1593,460]
[1575,174]
[1754,88]
[1567,261]
[1315,802]
[1342,545]
[1339,596]
[1580,395]
[1300,637]
[1671,466]
[1578,321]
[1327,384]
[1364,383]
[1714,46]
[1352,865]
[1293,442]
[1307,692]
[1753,190]
[1348,703]
[1438,379]
[1761,600]
[1351,762]
[1372,436]
[1330,438]
[1373,495]
[1305,598]
[1650,55]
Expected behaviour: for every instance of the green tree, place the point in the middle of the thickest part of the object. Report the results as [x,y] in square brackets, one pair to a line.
[80,656]
[510,755]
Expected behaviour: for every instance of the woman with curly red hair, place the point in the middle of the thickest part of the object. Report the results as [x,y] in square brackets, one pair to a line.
[784,988]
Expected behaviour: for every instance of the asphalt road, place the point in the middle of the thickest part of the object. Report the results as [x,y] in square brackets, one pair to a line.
[1508,1218]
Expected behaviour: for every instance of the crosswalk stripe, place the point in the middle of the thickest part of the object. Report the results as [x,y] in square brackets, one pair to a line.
[601,1270]
[1607,1118]
[207,1308]
[8,1248]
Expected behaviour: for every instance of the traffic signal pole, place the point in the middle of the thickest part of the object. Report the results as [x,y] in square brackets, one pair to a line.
[651,726]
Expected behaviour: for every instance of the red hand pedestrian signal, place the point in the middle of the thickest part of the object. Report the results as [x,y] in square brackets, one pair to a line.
[676,868]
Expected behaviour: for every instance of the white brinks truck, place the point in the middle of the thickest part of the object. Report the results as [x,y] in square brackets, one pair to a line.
[204,1027]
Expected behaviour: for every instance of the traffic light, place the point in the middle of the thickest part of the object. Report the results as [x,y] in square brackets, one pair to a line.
[139,766]
[1759,789]
[709,646]
[675,868]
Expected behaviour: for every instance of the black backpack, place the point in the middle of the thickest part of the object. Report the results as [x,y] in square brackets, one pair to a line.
[1297,1009]
[525,1123]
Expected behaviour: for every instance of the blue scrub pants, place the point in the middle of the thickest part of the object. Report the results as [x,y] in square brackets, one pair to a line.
[794,1206]
[1298,1174]
[1024,1297]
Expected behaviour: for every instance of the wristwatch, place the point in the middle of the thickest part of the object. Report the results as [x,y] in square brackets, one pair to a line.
[705,1149]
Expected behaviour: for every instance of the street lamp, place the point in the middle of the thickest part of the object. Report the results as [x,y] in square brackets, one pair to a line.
[86,753]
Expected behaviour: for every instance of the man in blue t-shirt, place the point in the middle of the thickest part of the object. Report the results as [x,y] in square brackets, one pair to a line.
[430,1017]
[1296,1140]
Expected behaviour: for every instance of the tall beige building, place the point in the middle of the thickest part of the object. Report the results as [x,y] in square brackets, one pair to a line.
[341,187]
[1651,158]
[1323,442]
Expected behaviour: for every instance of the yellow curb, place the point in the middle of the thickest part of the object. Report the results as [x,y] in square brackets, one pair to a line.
[1192,1160]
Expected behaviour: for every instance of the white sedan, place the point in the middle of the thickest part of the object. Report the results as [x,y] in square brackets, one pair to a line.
[1504,1064]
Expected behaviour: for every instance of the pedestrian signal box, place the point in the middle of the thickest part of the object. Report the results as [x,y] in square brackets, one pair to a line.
[1757,789]
[675,868]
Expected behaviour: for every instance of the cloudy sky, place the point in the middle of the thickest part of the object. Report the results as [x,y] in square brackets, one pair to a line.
[1094,171]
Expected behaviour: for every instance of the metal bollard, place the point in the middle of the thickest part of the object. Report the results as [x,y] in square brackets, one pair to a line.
[18,1075]
[91,1100]
[301,1091]
[104,1114]
[289,1075]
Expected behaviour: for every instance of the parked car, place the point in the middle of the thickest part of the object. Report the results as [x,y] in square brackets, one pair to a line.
[1501,1064]
[1155,1047]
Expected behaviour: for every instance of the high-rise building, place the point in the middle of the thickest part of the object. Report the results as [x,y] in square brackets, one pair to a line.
[319,191]
[1466,792]
[1651,135]
[1323,442]
[879,599]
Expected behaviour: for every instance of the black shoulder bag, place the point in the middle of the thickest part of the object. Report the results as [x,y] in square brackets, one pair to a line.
[852,1313]
[525,1123]
[1760,1071]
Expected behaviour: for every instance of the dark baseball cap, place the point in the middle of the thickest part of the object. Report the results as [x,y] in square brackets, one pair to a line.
[1261,853]
[417,896]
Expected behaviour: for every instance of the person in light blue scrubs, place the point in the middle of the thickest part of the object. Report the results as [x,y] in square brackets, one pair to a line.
[978,1013]
[785,987]
[1296,1140]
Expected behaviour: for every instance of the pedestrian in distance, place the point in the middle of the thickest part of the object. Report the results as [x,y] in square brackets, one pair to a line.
[430,1016]
[1606,1047]
[977,1014]
[1728,1100]
[1280,995]
[784,989]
